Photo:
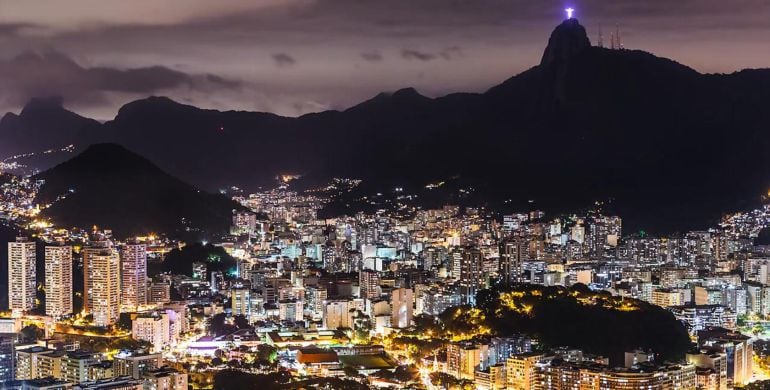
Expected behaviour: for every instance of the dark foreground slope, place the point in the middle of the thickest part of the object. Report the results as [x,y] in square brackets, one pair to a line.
[111,187]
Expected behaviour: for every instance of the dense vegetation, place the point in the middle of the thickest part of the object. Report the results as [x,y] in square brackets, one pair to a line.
[235,379]
[595,322]
[179,261]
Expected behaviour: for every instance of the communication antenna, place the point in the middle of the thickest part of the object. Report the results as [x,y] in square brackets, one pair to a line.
[601,37]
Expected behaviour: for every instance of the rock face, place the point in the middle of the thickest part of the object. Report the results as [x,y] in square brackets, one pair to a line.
[567,40]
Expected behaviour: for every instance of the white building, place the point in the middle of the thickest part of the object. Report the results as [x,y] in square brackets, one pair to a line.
[58,280]
[154,328]
[402,305]
[21,275]
[290,310]
[133,276]
[337,314]
[101,265]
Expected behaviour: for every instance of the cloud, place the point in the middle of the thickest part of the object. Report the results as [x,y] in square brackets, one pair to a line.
[372,56]
[409,54]
[53,73]
[334,39]
[283,59]
[451,52]
[448,53]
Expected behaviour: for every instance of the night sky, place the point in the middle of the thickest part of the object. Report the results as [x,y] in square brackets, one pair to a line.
[297,56]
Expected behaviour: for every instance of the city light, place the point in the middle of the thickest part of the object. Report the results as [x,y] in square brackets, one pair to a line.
[463,262]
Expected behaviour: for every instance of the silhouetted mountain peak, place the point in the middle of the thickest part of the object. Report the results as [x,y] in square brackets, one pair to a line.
[400,98]
[109,157]
[407,93]
[567,40]
[43,105]
[106,153]
[111,186]
[150,105]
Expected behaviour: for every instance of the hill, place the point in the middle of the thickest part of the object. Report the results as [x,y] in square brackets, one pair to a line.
[109,186]
[43,125]
[671,147]
[595,322]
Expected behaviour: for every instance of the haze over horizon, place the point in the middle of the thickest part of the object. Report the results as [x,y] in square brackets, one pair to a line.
[299,56]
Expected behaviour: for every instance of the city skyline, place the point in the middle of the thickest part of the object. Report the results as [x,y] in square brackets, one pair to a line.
[598,221]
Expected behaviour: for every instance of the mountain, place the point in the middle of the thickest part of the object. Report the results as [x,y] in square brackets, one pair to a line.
[44,124]
[668,147]
[110,186]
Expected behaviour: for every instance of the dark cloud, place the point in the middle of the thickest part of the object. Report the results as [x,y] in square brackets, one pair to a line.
[33,74]
[410,54]
[10,29]
[436,46]
[283,59]
[447,54]
[372,56]
[451,52]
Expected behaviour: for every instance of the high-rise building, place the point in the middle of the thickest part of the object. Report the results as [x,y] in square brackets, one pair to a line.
[165,378]
[7,359]
[337,314]
[153,328]
[199,270]
[38,362]
[711,365]
[290,310]
[75,365]
[738,350]
[369,283]
[133,275]
[315,298]
[463,358]
[501,348]
[135,365]
[21,275]
[101,295]
[561,374]
[467,266]
[159,292]
[246,302]
[244,222]
[401,301]
[58,280]
[512,253]
[521,370]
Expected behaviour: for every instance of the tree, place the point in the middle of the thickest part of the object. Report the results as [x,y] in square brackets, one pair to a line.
[267,353]
[350,371]
[241,322]
[236,379]
[31,333]
[219,327]
[180,261]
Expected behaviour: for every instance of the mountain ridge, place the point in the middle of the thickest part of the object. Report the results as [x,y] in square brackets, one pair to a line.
[673,147]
